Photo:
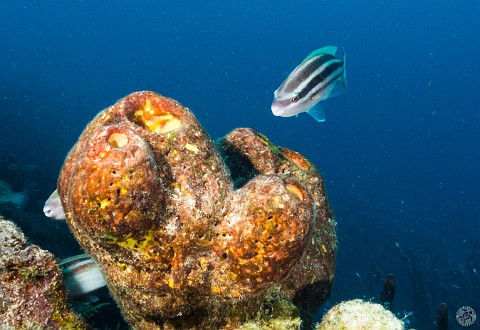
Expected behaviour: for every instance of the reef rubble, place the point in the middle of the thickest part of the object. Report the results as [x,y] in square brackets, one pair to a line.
[31,290]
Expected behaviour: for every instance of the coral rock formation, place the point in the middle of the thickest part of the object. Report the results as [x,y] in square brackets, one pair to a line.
[359,315]
[186,239]
[31,290]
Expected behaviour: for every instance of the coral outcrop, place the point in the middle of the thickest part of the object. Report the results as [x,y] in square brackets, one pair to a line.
[194,235]
[360,315]
[31,290]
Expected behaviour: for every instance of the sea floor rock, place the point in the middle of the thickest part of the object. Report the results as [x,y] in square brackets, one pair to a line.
[31,290]
[193,235]
[359,315]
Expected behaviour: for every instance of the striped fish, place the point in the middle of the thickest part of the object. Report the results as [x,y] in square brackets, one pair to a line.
[320,76]
[81,276]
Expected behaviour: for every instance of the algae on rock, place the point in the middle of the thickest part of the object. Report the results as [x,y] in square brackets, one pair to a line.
[31,290]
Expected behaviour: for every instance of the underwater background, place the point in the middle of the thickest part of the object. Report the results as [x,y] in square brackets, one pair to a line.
[399,153]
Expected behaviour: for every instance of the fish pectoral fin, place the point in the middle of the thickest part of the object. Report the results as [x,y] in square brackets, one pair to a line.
[317,113]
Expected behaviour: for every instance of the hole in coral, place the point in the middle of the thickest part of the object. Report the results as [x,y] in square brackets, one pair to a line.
[223,256]
[118,140]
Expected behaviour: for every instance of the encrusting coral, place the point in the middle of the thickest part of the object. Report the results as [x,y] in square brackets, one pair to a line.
[186,239]
[31,290]
[359,315]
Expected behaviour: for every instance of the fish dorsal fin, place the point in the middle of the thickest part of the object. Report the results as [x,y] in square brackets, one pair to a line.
[327,50]
[317,113]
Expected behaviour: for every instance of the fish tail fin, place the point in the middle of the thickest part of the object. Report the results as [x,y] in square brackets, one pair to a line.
[343,79]
[340,86]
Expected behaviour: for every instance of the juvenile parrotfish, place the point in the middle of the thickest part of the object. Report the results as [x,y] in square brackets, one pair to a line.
[320,76]
[53,207]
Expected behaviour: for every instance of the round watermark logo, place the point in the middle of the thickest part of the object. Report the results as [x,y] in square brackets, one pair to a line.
[466,316]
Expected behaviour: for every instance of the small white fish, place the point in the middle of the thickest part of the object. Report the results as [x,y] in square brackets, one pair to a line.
[406,315]
[320,76]
[53,207]
[359,276]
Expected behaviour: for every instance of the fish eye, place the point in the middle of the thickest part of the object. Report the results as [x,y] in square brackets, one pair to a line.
[295,98]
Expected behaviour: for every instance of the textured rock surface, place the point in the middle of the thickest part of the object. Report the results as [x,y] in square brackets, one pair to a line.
[184,240]
[31,291]
[359,315]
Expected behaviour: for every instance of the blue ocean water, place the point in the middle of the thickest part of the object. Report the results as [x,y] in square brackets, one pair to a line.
[400,153]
